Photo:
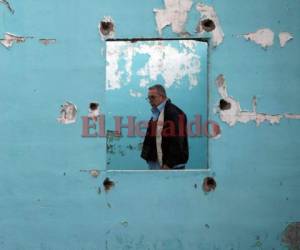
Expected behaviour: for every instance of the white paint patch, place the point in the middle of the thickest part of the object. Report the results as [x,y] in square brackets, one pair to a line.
[190,45]
[171,64]
[174,14]
[236,114]
[284,37]
[208,12]
[68,113]
[6,3]
[114,50]
[164,60]
[10,39]
[144,83]
[128,56]
[95,173]
[94,114]
[135,93]
[263,37]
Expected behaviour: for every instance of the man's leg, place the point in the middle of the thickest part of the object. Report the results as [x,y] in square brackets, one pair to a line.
[179,166]
[153,165]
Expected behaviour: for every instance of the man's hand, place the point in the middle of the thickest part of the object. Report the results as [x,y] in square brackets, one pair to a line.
[165,166]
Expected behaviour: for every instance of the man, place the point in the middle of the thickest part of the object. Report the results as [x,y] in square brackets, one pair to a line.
[165,145]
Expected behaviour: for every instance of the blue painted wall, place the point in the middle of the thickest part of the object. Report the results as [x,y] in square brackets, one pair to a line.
[48,203]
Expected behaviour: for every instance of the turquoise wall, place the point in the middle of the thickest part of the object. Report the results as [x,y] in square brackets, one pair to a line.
[49,200]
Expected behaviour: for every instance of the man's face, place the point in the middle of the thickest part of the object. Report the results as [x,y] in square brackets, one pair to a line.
[155,98]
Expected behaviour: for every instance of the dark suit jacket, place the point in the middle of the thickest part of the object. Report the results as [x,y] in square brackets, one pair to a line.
[174,138]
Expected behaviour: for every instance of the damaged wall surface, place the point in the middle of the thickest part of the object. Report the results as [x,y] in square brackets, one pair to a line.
[55,191]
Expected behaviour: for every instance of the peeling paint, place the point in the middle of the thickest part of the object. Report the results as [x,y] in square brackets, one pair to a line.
[144,83]
[106,28]
[47,41]
[112,70]
[292,116]
[236,114]
[263,37]
[9,39]
[284,37]
[8,6]
[113,135]
[230,111]
[164,60]
[208,12]
[291,236]
[93,172]
[135,93]
[68,113]
[174,14]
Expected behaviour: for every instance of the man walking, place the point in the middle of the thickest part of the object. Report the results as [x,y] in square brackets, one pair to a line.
[165,145]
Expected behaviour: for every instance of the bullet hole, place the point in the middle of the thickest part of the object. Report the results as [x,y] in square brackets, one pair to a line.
[224,105]
[195,186]
[209,184]
[64,173]
[106,28]
[291,235]
[208,25]
[94,106]
[108,184]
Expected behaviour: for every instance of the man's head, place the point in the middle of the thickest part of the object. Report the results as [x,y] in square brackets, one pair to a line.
[156,95]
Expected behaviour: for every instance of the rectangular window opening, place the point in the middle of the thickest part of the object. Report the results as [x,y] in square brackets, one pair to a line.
[132,66]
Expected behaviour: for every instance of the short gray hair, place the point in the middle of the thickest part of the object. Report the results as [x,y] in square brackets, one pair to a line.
[160,89]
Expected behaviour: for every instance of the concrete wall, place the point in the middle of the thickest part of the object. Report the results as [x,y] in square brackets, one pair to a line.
[51,194]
